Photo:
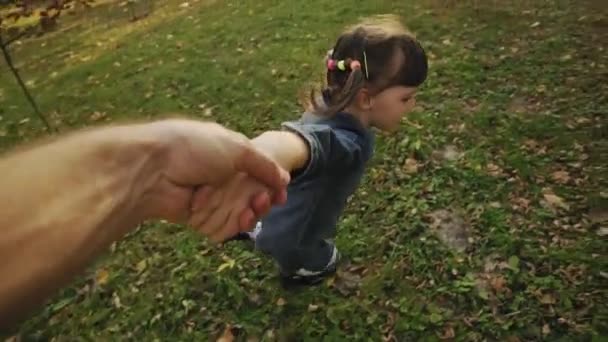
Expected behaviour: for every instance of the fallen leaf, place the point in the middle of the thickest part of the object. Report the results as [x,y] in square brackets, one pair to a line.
[546,329]
[603,231]
[561,177]
[410,166]
[555,201]
[535,24]
[448,333]
[547,298]
[281,301]
[96,116]
[116,301]
[520,203]
[513,263]
[228,264]
[312,307]
[141,266]
[494,170]
[102,276]
[498,284]
[227,336]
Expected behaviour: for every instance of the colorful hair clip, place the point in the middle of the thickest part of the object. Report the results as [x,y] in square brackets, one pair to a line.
[342,65]
[331,64]
[354,65]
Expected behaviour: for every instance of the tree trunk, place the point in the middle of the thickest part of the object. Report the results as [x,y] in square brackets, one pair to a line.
[28,95]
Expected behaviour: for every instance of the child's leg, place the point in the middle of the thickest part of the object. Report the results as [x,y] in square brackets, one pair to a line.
[305,262]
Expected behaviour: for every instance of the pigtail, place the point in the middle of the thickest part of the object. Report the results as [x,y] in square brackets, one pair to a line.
[335,97]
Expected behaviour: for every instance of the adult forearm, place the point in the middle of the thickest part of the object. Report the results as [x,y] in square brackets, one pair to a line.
[63,203]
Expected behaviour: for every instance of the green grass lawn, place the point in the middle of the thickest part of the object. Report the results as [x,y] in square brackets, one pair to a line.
[508,147]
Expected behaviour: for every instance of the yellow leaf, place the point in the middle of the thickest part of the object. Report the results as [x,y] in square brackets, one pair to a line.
[101,278]
[547,298]
[281,302]
[228,264]
[141,266]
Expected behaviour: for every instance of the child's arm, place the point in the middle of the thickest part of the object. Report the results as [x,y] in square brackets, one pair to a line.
[310,148]
[288,149]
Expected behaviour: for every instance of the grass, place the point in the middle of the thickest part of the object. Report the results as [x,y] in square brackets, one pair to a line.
[517,88]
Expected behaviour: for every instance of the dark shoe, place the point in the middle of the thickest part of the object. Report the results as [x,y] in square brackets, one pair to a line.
[309,278]
[242,236]
[246,236]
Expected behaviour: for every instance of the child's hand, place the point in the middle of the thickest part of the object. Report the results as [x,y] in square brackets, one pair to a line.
[218,212]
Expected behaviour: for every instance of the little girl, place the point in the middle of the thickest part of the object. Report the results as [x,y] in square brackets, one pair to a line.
[373,72]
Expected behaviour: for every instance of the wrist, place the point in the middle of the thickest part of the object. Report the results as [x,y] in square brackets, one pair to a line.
[141,156]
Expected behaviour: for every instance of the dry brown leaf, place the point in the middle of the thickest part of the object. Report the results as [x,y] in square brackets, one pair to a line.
[410,166]
[561,177]
[312,307]
[281,301]
[520,203]
[494,170]
[96,116]
[227,336]
[546,329]
[547,298]
[448,333]
[498,284]
[555,201]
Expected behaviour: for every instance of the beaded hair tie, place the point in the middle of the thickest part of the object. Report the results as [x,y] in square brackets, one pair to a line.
[343,64]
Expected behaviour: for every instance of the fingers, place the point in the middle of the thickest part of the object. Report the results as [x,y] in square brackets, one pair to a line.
[247,220]
[221,225]
[213,200]
[262,168]
[201,198]
[280,197]
[261,204]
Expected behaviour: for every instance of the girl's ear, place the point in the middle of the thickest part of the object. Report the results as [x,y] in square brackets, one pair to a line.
[363,99]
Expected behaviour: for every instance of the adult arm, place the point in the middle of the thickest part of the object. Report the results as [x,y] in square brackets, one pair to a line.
[64,202]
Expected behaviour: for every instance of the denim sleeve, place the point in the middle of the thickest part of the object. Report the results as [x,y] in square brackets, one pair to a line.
[330,149]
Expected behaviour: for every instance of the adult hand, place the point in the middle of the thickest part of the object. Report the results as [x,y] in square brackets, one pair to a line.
[199,157]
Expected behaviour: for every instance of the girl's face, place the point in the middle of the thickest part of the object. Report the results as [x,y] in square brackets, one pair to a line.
[388,107]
